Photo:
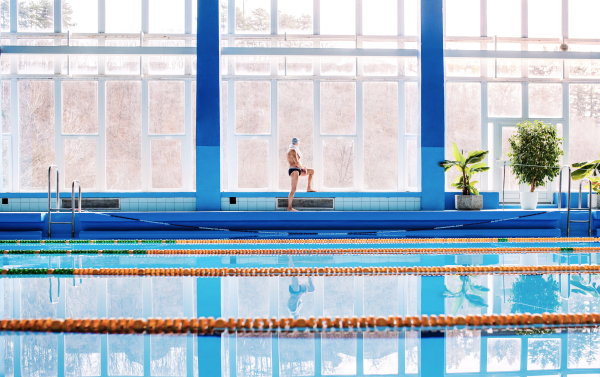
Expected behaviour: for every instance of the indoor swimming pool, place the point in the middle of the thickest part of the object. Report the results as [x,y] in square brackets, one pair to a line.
[301,308]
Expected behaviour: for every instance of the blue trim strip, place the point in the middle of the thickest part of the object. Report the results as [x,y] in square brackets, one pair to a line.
[284,194]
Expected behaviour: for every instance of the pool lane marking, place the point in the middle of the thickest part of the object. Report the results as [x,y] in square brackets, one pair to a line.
[210,325]
[309,271]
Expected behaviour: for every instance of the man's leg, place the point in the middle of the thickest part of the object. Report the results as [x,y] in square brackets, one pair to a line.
[311,174]
[294,176]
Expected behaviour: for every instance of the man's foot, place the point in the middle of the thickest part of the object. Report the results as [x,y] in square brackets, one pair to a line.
[310,190]
[292,210]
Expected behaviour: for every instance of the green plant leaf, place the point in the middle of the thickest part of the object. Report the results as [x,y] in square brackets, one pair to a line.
[457,155]
[476,156]
[477,301]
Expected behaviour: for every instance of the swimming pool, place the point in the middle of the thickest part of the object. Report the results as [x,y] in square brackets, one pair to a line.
[420,308]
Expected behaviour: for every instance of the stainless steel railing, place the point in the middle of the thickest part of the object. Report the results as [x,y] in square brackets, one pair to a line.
[57,208]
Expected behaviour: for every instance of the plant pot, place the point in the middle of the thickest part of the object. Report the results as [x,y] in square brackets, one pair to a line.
[468,202]
[529,200]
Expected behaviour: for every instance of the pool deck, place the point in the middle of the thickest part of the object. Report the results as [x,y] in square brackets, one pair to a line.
[121,225]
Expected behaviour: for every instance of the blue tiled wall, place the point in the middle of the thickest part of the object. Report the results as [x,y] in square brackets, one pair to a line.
[127,204]
[341,204]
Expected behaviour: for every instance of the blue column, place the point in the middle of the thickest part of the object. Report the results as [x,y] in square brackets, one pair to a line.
[208,182]
[432,342]
[208,304]
[431,58]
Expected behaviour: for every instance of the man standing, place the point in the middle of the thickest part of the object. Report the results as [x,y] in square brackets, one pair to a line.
[297,170]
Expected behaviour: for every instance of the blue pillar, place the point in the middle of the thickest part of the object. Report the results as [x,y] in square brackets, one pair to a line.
[431,58]
[208,304]
[208,182]
[432,342]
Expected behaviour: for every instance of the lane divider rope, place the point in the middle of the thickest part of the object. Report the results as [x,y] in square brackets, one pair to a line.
[209,326]
[362,251]
[312,241]
[309,271]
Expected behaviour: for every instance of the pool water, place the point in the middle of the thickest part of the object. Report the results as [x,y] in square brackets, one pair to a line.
[498,350]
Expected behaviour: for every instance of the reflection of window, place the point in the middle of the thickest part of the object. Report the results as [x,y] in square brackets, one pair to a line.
[296,354]
[380,353]
[463,351]
[253,356]
[503,355]
[338,354]
[543,354]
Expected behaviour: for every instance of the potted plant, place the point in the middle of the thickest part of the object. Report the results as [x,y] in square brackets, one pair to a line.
[535,152]
[591,170]
[468,166]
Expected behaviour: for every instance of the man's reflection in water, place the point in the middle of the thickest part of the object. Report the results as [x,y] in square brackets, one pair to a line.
[297,291]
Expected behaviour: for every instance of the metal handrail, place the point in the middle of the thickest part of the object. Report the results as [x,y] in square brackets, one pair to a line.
[50,196]
[73,205]
[589,203]
[568,195]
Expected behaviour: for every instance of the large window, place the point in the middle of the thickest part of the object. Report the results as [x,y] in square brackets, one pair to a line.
[357,118]
[487,97]
[114,122]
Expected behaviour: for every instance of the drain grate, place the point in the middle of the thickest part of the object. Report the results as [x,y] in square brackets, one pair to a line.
[93,203]
[308,203]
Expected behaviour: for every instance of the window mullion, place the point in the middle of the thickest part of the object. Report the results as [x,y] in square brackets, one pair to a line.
[59,139]
[14,132]
[402,166]
[318,140]
[101,156]
[358,148]
[188,174]
[273,158]
[231,139]
[146,151]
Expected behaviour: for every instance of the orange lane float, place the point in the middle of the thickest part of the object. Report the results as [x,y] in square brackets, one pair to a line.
[206,326]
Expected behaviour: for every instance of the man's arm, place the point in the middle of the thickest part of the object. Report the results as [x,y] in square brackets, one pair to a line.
[293,159]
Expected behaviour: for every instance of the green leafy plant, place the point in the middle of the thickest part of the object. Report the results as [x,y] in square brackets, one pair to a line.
[468,166]
[588,169]
[535,152]
[469,292]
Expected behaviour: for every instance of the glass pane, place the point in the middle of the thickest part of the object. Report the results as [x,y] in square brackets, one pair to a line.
[124,135]
[381,135]
[338,163]
[82,355]
[336,66]
[338,354]
[35,64]
[462,18]
[380,353]
[253,164]
[295,65]
[123,16]
[296,354]
[5,58]
[584,122]
[510,180]
[412,152]
[252,65]
[80,107]
[412,343]
[80,163]
[505,100]
[35,299]
[543,354]
[80,16]
[253,16]
[39,355]
[167,16]
[167,297]
[6,165]
[295,16]
[463,67]
[253,356]
[338,108]
[166,107]
[338,299]
[584,68]
[36,133]
[545,67]
[35,15]
[253,107]
[295,119]
[194,131]
[463,121]
[168,355]
[380,297]
[503,355]
[223,20]
[380,17]
[380,66]
[544,18]
[122,64]
[165,64]
[411,17]
[413,115]
[125,355]
[463,351]
[167,164]
[5,16]
[582,18]
[83,64]
[504,18]
[224,131]
[545,100]
[5,106]
[338,17]
[253,297]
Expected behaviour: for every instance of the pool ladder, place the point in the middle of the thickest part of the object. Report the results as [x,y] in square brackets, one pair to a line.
[569,209]
[57,209]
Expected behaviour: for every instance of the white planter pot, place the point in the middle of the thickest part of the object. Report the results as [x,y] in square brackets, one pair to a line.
[468,202]
[529,200]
